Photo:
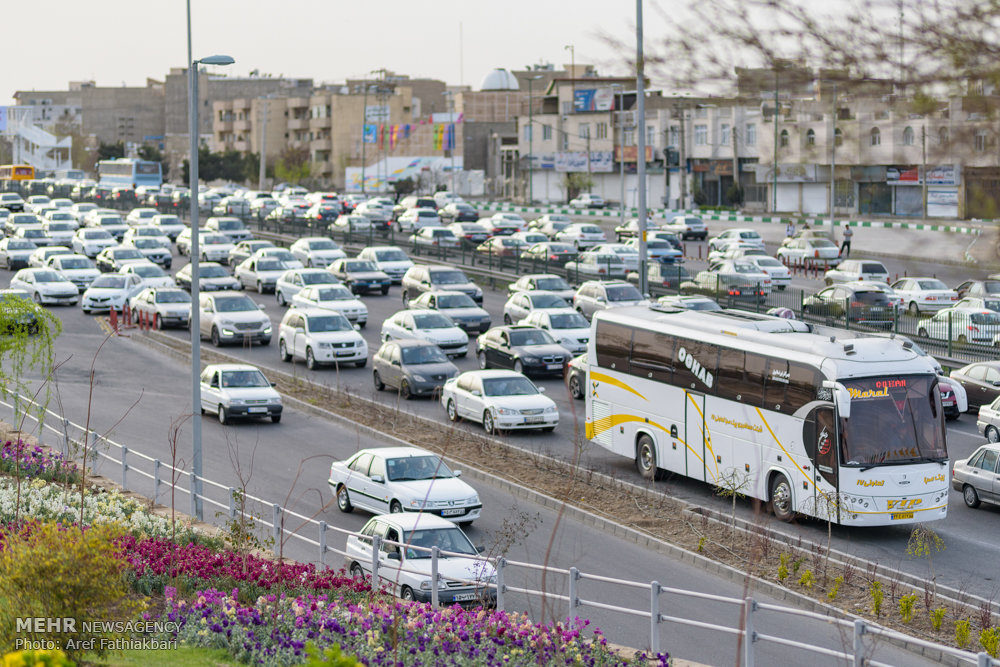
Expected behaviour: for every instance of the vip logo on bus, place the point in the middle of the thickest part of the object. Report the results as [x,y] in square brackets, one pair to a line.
[904,504]
[695,367]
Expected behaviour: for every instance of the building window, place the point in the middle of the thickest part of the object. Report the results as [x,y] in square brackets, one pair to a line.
[527,133]
[629,138]
[566,108]
[751,135]
[701,112]
[565,141]
[602,130]
[547,132]
[650,135]
[908,136]
[838,137]
[584,130]
[726,131]
[980,141]
[943,136]
[675,135]
[701,135]
[810,137]
[875,137]
[784,139]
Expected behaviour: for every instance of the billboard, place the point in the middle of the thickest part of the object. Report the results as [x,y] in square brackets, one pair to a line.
[377,113]
[600,161]
[3,119]
[593,99]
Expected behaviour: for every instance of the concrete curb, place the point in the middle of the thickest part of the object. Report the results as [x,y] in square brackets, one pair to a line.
[640,538]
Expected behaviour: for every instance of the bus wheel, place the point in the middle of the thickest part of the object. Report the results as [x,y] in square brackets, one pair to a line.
[781,498]
[645,458]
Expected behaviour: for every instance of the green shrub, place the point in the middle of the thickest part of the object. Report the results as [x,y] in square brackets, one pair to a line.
[783,567]
[832,593]
[331,657]
[806,580]
[906,603]
[875,591]
[937,617]
[989,639]
[962,633]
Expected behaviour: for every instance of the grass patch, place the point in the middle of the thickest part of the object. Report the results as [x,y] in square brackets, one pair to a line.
[184,656]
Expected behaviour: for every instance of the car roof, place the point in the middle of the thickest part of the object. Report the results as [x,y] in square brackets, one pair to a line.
[414,521]
[493,373]
[231,367]
[388,452]
[311,311]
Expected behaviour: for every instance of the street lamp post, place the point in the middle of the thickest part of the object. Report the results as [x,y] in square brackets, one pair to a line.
[196,467]
[640,158]
[454,134]
[621,145]
[531,143]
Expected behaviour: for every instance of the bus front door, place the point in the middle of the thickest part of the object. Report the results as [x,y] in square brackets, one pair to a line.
[694,435]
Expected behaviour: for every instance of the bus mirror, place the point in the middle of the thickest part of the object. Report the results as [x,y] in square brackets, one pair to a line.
[842,397]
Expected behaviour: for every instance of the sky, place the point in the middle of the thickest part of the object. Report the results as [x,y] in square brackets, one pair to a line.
[114,42]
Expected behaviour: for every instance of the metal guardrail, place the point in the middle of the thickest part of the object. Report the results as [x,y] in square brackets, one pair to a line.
[573,577]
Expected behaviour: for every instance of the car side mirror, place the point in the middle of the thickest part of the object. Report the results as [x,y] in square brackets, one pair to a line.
[274,384]
[357,327]
[300,330]
[601,299]
[378,479]
[480,549]
[476,392]
[393,555]
[541,390]
[394,362]
[456,473]
[260,306]
[996,383]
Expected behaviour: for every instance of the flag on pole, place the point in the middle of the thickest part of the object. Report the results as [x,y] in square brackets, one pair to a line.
[406,131]
[461,117]
[381,135]
[368,135]
[394,136]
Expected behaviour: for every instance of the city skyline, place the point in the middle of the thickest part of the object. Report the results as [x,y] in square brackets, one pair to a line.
[113,47]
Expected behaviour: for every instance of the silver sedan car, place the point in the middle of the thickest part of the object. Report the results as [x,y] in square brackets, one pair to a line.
[977,478]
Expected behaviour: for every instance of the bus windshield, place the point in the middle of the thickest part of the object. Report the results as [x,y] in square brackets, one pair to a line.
[893,420]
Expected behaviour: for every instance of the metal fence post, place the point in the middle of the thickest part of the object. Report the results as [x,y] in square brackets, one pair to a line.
[276,531]
[435,554]
[501,564]
[949,333]
[232,503]
[654,618]
[859,644]
[749,634]
[124,468]
[194,494]
[65,441]
[156,479]
[93,451]
[574,602]
[983,660]
[376,547]
[322,542]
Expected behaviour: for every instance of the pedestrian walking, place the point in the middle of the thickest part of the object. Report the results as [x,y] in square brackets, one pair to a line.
[845,247]
[790,229]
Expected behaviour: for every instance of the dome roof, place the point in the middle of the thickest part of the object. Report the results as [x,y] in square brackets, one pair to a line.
[500,79]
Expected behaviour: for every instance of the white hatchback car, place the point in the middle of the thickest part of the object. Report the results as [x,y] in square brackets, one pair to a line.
[320,337]
[46,286]
[737,235]
[522,304]
[163,306]
[90,242]
[238,391]
[150,274]
[547,282]
[500,400]
[260,273]
[403,479]
[568,327]
[389,259]
[293,281]
[337,298]
[427,325]
[581,235]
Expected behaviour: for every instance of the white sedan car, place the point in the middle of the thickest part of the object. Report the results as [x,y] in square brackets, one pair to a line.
[281,254]
[427,325]
[924,294]
[238,390]
[459,306]
[46,286]
[739,235]
[500,400]
[403,479]
[152,248]
[90,242]
[41,256]
[163,306]
[568,327]
[781,277]
[260,273]
[813,251]
[15,253]
[405,560]
[150,274]
[389,259]
[548,282]
[169,224]
[320,337]
[293,281]
[316,251]
[336,298]
[78,269]
[581,235]
[522,304]
[110,290]
[350,222]
[961,325]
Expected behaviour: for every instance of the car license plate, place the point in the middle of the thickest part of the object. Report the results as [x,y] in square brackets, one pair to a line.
[902,515]
[261,409]
[453,512]
[464,597]
[553,367]
[349,353]
[534,420]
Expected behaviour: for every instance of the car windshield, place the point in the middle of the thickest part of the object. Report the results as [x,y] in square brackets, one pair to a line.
[270,265]
[530,337]
[931,284]
[391,256]
[590,229]
[338,293]
[769,261]
[326,323]
[172,296]
[240,379]
[229,225]
[146,243]
[148,270]
[893,420]
[75,263]
[167,220]
[991,286]
[410,468]
[448,278]
[109,282]
[548,301]
[424,354]
[431,321]
[318,278]
[822,243]
[322,244]
[360,265]
[212,272]
[623,293]
[509,386]
[455,301]
[871,298]
[110,221]
[48,277]
[658,244]
[568,321]
[235,304]
[18,244]
[451,540]
[985,318]
[214,239]
[872,267]
[555,217]
[702,305]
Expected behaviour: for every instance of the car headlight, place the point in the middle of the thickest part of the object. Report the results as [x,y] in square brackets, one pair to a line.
[324,346]
[236,401]
[419,378]
[551,409]
[474,500]
[426,585]
[417,502]
[267,329]
[508,411]
[529,358]
[479,292]
[225,323]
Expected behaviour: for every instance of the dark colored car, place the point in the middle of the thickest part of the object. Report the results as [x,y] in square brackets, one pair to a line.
[576,377]
[981,382]
[668,275]
[361,275]
[868,306]
[550,251]
[414,367]
[111,260]
[525,349]
[458,212]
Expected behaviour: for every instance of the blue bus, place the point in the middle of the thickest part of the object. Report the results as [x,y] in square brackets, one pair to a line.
[129,172]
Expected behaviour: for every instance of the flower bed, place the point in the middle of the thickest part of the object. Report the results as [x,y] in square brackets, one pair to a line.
[36,461]
[275,630]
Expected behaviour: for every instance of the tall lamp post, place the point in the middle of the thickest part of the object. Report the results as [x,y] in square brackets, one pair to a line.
[621,144]
[450,94]
[640,158]
[196,468]
[531,143]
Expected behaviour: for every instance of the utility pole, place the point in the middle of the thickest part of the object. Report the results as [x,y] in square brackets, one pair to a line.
[736,157]
[454,135]
[621,146]
[640,95]
[364,128]
[683,164]
[923,175]
[833,157]
[774,174]
[265,105]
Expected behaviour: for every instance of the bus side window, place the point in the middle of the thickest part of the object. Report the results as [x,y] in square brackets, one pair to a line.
[776,385]
[614,344]
[754,390]
[732,380]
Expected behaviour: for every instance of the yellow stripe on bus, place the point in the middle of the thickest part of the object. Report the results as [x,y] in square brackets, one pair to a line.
[768,427]
[616,383]
[923,509]
[601,425]
[706,436]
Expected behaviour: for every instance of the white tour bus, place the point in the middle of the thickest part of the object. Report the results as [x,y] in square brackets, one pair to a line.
[849,429]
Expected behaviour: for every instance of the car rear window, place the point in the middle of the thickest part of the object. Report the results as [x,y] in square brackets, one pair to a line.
[992,286]
[872,298]
[985,318]
[872,267]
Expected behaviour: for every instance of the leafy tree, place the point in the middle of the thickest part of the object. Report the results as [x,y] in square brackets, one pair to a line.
[576,182]
[110,151]
[153,154]
[403,187]
[293,165]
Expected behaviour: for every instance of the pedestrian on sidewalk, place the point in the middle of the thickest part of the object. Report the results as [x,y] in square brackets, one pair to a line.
[845,247]
[790,229]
